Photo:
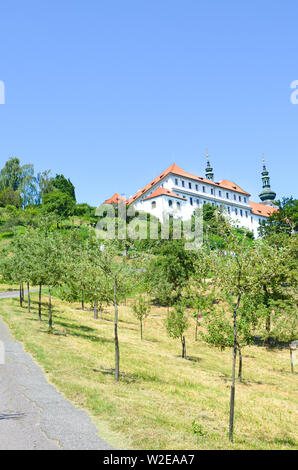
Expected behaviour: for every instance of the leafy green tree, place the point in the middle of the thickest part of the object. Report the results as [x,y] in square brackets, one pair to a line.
[284,220]
[19,178]
[276,300]
[44,182]
[141,308]
[169,271]
[176,324]
[64,185]
[119,277]
[60,204]
[235,279]
[10,197]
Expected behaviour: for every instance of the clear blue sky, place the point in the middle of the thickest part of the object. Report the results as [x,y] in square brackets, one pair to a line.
[111,92]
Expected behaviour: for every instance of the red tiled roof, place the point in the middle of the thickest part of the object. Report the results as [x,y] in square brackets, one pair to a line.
[163,192]
[263,210]
[115,199]
[176,170]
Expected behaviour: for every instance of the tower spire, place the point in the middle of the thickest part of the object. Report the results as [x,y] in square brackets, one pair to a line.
[267,195]
[209,169]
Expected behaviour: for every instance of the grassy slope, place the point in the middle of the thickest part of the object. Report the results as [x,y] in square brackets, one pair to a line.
[160,394]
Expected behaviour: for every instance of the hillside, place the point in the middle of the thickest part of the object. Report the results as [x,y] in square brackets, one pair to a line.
[161,401]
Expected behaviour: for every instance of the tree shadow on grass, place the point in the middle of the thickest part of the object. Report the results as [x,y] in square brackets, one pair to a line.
[11,416]
[82,331]
[273,343]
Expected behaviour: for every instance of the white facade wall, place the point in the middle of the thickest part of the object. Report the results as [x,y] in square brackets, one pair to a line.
[235,204]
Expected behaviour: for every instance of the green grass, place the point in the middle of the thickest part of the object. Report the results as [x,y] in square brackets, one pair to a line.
[161,401]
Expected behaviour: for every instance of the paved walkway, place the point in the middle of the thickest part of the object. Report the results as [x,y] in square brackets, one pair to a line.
[33,414]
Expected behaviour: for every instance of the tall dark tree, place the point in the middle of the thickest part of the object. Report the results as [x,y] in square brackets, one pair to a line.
[64,185]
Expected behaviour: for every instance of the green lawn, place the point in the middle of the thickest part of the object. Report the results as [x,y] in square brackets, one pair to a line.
[160,396]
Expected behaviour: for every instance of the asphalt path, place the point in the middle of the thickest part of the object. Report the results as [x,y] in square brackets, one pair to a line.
[33,414]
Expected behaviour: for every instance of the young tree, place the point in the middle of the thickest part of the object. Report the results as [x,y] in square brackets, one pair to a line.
[235,279]
[119,279]
[176,325]
[141,308]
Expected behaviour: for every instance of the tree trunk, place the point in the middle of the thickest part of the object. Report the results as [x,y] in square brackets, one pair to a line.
[39,302]
[183,347]
[141,325]
[29,300]
[292,361]
[240,365]
[95,314]
[117,353]
[21,296]
[268,316]
[197,323]
[232,398]
[82,301]
[50,312]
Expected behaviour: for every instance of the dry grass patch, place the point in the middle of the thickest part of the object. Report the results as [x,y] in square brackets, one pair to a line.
[161,401]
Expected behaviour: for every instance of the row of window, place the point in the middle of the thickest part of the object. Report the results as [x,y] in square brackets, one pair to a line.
[229,209]
[212,190]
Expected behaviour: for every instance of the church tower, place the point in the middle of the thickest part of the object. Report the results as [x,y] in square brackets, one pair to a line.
[209,169]
[267,196]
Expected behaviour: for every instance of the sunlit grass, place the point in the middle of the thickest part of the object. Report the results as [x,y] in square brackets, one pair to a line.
[159,395]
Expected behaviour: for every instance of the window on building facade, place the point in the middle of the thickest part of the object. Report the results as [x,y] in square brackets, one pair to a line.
[240,198]
[241,212]
[251,219]
[229,210]
[178,205]
[205,202]
[176,181]
[182,182]
[212,191]
[153,204]
[190,200]
[197,187]
[227,194]
[246,214]
[204,189]
[245,199]
[198,202]
[236,211]
[219,193]
[235,197]
[170,202]
[189,185]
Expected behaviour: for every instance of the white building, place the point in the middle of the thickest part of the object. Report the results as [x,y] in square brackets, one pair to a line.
[178,193]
